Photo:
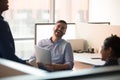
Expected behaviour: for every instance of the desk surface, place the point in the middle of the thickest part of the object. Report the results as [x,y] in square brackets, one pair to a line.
[31,73]
[89,58]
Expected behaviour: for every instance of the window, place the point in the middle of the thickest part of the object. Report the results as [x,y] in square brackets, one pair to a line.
[71,10]
[23,14]
[22,18]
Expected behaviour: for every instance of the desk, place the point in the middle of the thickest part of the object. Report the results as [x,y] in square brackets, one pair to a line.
[89,58]
[25,72]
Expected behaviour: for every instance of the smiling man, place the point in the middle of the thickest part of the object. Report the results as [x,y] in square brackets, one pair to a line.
[61,50]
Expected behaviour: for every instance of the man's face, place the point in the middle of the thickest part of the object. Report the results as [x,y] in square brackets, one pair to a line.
[59,29]
[3,5]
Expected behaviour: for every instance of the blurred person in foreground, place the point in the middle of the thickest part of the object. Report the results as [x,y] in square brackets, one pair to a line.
[7,46]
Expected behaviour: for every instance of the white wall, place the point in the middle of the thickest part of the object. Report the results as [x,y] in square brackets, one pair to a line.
[104,11]
[95,34]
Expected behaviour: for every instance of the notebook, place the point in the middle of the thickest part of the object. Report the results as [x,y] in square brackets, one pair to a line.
[42,55]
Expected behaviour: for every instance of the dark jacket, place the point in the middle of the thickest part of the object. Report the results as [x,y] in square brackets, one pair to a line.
[7,47]
[111,63]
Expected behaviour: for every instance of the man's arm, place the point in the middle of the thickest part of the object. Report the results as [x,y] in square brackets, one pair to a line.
[58,67]
[54,67]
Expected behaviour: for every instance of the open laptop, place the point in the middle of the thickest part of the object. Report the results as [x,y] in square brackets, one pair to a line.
[42,55]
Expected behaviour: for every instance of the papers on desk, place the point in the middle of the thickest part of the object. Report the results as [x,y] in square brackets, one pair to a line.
[88,58]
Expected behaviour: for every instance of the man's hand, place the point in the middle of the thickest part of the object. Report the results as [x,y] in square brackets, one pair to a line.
[50,67]
[47,67]
[27,62]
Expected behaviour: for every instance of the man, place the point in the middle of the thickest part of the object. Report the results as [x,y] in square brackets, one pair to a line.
[7,47]
[61,50]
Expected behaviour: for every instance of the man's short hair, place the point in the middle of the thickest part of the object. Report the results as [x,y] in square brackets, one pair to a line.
[61,21]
